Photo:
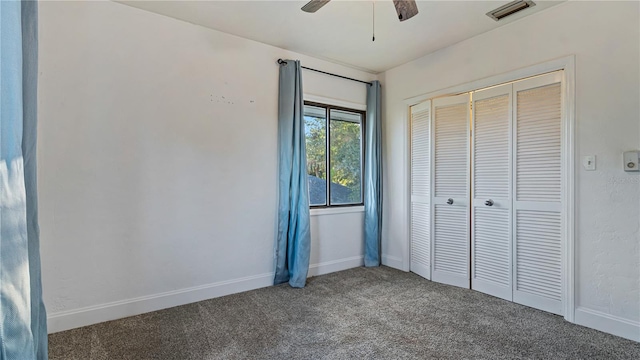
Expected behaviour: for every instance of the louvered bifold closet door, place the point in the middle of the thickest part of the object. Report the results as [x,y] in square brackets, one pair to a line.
[491,192]
[450,227]
[538,217]
[420,189]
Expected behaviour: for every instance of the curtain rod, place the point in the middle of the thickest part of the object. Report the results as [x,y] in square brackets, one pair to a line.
[280,61]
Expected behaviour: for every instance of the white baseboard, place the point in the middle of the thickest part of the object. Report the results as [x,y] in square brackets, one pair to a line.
[71,319]
[336,265]
[65,320]
[611,324]
[392,261]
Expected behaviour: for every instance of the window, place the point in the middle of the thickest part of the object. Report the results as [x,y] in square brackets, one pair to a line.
[341,132]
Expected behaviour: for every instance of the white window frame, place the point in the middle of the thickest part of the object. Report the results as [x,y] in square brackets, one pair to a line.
[346,106]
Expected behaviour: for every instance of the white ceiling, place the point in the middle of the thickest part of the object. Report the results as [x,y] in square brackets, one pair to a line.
[341,31]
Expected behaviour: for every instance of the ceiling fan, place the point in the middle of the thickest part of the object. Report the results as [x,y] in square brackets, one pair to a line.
[406,9]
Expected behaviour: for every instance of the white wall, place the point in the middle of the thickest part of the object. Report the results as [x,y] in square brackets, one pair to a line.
[157,163]
[604,36]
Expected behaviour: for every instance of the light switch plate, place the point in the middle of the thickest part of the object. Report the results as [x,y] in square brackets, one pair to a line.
[630,161]
[589,162]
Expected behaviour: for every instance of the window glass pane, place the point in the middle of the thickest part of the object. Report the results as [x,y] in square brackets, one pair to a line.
[315,122]
[346,163]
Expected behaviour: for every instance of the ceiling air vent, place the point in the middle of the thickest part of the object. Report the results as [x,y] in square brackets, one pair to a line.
[509,9]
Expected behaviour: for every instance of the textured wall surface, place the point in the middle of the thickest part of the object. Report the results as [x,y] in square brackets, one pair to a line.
[158,157]
[604,37]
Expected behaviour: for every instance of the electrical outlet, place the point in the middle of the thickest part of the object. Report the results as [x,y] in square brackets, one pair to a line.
[630,160]
[589,162]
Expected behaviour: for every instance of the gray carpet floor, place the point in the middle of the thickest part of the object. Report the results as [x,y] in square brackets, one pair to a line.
[375,313]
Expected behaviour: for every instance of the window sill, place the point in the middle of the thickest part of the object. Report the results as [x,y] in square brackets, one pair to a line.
[337,210]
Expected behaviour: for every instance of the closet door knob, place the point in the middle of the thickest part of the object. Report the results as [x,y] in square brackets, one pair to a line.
[450,201]
[489,202]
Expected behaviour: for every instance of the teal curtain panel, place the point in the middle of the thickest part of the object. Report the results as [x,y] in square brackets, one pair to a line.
[23,327]
[373,177]
[293,245]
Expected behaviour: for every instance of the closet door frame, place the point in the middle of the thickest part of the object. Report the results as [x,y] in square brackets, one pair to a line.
[567,65]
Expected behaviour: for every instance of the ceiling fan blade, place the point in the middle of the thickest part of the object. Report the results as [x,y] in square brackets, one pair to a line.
[406,9]
[314,5]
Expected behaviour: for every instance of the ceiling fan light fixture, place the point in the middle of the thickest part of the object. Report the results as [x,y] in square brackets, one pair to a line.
[510,9]
[406,9]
